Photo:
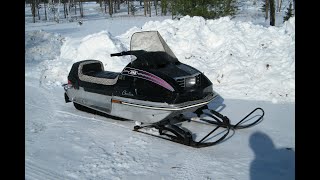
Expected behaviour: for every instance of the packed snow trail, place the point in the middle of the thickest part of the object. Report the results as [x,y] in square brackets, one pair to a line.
[65,142]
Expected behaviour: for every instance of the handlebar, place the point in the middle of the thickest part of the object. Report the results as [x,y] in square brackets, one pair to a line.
[123,53]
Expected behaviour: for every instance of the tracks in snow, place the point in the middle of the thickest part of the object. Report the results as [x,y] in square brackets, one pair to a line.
[35,171]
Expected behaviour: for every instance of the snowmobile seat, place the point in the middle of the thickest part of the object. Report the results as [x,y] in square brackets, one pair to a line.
[103,74]
[92,71]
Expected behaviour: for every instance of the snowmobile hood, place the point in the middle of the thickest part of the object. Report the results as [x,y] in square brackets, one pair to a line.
[177,71]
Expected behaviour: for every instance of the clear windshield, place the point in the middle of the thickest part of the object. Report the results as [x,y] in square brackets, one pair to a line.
[150,41]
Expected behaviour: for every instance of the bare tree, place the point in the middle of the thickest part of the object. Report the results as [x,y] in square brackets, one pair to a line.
[155,6]
[64,9]
[149,7]
[279,5]
[267,9]
[75,7]
[38,6]
[294,6]
[105,6]
[45,10]
[118,4]
[128,2]
[58,15]
[272,13]
[145,7]
[81,7]
[110,8]
[115,6]
[33,10]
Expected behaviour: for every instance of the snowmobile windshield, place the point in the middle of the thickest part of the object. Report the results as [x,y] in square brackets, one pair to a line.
[157,52]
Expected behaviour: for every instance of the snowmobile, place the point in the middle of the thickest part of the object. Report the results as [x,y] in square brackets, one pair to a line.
[155,88]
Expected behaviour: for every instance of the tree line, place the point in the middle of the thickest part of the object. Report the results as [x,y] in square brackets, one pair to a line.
[209,9]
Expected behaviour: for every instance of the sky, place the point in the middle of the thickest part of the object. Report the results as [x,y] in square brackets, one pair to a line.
[250,64]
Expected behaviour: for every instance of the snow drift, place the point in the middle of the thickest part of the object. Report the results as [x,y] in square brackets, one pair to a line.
[243,60]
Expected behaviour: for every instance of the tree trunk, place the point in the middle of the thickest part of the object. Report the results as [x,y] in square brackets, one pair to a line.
[267,9]
[38,4]
[294,7]
[149,8]
[128,6]
[155,6]
[81,8]
[272,13]
[64,10]
[110,8]
[68,10]
[115,6]
[118,5]
[33,10]
[105,6]
[279,5]
[58,15]
[145,7]
[163,7]
[75,7]
[45,10]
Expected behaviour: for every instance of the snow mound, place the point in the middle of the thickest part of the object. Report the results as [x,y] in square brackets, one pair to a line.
[289,26]
[243,60]
[96,46]
[41,46]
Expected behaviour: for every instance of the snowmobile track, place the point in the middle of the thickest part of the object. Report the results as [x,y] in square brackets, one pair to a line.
[33,171]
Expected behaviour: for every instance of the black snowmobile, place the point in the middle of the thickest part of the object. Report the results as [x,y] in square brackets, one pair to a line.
[154,88]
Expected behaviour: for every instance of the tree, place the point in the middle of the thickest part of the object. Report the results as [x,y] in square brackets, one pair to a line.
[149,7]
[45,10]
[155,6]
[133,9]
[279,5]
[209,9]
[110,8]
[288,13]
[164,5]
[38,6]
[33,10]
[145,7]
[267,9]
[272,13]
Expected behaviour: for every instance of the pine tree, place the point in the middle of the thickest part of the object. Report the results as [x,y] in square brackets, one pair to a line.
[209,9]
[288,13]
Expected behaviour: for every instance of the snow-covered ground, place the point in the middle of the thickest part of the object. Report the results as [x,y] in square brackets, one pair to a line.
[249,63]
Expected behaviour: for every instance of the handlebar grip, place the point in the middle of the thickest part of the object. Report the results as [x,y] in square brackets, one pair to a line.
[116,54]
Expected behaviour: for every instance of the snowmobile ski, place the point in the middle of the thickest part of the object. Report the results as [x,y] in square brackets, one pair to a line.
[184,136]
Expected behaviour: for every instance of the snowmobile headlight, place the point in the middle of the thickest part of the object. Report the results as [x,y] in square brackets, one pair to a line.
[190,81]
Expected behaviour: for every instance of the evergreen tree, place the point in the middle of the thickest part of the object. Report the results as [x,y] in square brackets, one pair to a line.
[288,13]
[209,9]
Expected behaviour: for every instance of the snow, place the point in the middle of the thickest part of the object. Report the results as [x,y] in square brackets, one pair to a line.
[249,63]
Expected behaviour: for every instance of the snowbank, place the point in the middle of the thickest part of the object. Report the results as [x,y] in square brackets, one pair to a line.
[41,45]
[243,60]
